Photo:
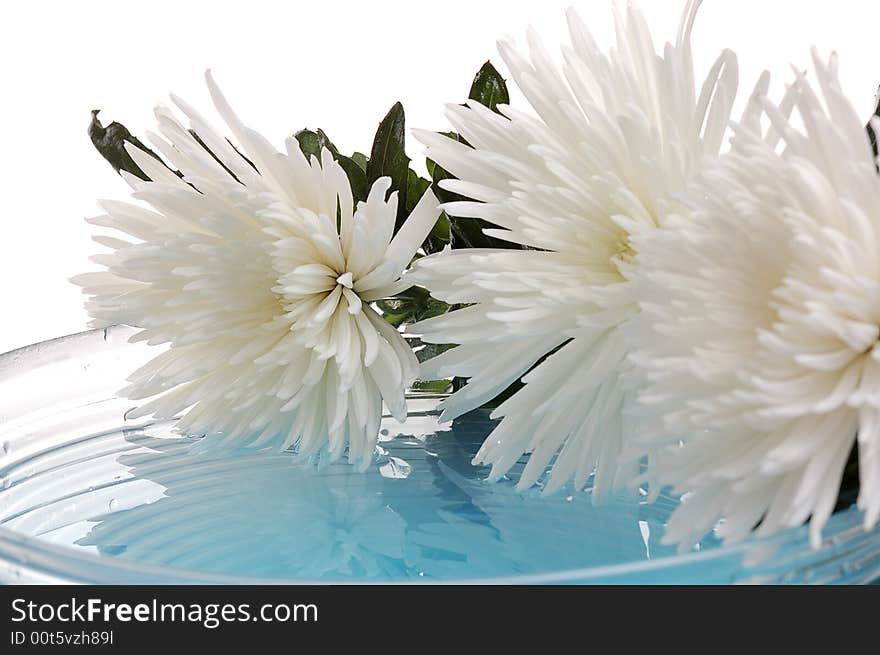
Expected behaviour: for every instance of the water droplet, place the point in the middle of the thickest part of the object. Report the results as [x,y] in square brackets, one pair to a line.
[113,504]
[395,468]
[568,499]
[421,574]
[7,447]
[645,530]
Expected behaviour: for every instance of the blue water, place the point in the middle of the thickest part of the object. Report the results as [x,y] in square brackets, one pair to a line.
[77,475]
[422,512]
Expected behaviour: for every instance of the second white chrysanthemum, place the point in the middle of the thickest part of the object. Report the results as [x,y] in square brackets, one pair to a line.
[616,134]
[759,336]
[258,271]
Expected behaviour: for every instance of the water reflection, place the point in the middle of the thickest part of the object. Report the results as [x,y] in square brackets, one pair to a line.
[151,496]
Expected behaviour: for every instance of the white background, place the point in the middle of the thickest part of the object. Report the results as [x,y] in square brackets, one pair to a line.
[286,65]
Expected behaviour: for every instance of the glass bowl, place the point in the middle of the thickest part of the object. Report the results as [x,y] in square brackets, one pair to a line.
[88,496]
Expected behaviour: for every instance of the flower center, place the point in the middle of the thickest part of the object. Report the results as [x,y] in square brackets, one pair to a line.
[623,251]
[345,283]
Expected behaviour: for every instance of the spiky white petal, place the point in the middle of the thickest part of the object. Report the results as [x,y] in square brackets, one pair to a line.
[258,270]
[759,345]
[615,135]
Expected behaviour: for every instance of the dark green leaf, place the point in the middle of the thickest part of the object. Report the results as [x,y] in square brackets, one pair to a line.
[357,178]
[415,189]
[440,235]
[311,143]
[110,142]
[414,304]
[388,157]
[489,88]
[428,350]
[361,160]
[468,233]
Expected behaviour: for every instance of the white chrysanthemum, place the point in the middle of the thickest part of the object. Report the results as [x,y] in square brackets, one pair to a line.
[614,136]
[759,345]
[258,270]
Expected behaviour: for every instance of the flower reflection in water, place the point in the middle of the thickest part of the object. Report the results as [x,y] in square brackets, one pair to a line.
[146,495]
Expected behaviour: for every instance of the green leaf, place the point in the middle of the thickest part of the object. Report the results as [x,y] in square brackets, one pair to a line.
[357,178]
[311,143]
[415,189]
[440,235]
[468,233]
[427,351]
[361,160]
[388,157]
[489,88]
[432,386]
[110,142]
[414,304]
